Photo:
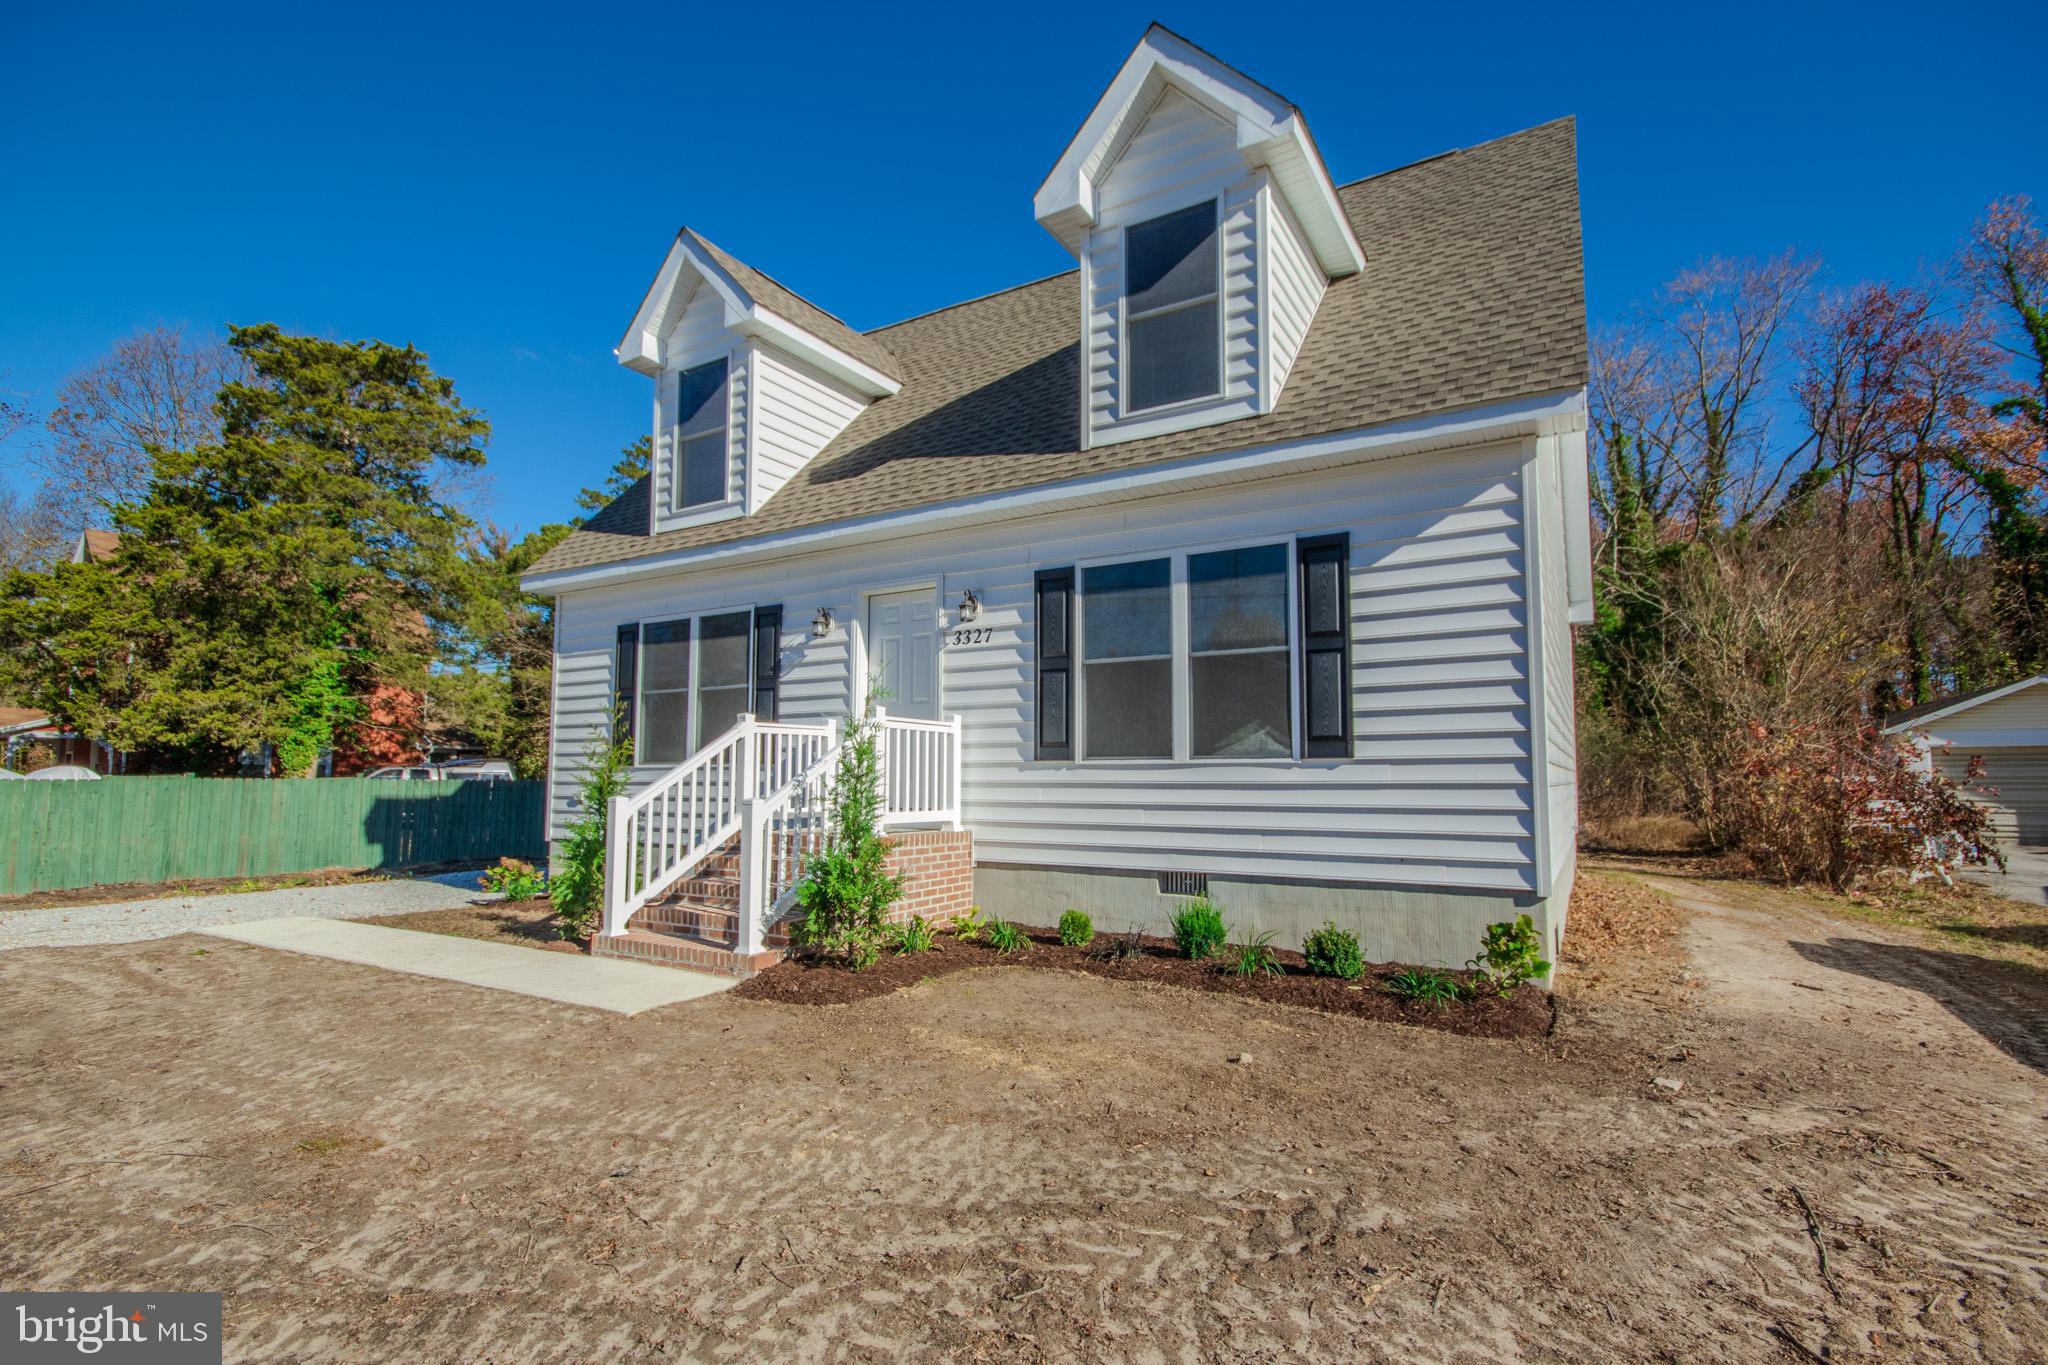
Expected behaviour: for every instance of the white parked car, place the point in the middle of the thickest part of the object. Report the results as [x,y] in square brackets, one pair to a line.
[478,770]
[64,772]
[406,772]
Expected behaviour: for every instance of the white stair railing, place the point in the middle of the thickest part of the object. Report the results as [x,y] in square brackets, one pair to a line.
[661,834]
[771,783]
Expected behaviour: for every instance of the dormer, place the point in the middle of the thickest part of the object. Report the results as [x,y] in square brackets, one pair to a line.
[750,382]
[1207,229]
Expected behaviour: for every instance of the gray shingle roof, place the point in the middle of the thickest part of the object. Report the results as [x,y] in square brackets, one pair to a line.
[778,298]
[1473,292]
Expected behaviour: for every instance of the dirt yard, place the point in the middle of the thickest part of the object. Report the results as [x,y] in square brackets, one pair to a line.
[1025,1165]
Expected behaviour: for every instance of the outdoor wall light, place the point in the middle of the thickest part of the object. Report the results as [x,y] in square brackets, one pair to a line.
[970,605]
[821,624]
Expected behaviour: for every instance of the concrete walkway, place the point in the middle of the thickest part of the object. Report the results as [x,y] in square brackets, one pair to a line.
[2025,877]
[596,982]
[134,921]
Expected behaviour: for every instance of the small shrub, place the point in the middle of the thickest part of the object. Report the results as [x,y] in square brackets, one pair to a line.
[1118,947]
[513,879]
[1334,952]
[1509,954]
[969,924]
[1431,988]
[1076,929]
[860,949]
[1198,928]
[1004,936]
[577,891]
[847,887]
[1256,957]
[913,935]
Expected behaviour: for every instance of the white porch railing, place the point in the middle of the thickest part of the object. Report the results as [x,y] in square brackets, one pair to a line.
[920,770]
[770,783]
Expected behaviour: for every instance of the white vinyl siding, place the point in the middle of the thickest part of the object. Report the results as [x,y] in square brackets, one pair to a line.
[1294,288]
[796,412]
[1442,787]
[1182,154]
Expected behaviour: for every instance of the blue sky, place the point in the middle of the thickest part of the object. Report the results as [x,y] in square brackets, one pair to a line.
[497,184]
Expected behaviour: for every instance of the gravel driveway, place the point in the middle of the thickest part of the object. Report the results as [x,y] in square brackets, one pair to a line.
[134,921]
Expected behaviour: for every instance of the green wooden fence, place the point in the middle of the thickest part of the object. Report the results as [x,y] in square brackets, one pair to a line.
[156,829]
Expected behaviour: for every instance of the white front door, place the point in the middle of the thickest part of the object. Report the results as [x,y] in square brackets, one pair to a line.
[903,651]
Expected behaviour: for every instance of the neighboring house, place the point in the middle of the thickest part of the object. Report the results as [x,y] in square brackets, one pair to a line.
[95,547]
[1246,554]
[23,729]
[2008,728]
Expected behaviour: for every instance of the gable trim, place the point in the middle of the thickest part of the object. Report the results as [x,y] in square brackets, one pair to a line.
[1270,133]
[641,347]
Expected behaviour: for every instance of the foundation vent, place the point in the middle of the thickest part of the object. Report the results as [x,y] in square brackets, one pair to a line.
[1183,883]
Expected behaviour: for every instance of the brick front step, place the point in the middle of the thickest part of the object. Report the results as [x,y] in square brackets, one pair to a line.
[687,917]
[681,950]
[706,890]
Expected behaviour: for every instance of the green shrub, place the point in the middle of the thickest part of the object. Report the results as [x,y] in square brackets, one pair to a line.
[860,951]
[1257,956]
[513,879]
[847,888]
[1198,928]
[913,935]
[577,890]
[1431,988]
[1509,954]
[1076,929]
[1334,952]
[1004,936]
[969,924]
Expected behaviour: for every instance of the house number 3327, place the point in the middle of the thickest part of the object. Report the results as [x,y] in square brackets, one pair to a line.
[975,635]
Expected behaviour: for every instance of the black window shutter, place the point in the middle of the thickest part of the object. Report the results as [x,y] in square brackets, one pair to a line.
[1055,606]
[1325,645]
[767,661]
[626,675]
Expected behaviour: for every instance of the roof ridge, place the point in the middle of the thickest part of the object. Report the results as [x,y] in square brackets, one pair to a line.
[978,298]
[1459,151]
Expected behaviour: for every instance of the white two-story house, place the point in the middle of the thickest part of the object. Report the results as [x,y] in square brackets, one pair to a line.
[1241,558]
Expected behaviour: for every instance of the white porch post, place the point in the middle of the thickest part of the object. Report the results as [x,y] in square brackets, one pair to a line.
[753,907]
[957,779]
[616,862]
[880,718]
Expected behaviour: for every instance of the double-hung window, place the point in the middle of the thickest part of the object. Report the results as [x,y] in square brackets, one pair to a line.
[1127,659]
[1173,310]
[1188,656]
[694,676]
[1240,699]
[700,436]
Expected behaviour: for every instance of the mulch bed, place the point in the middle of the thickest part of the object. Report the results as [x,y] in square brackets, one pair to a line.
[1526,1013]
[525,924]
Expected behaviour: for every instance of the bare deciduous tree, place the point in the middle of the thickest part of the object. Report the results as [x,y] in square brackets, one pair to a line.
[154,390]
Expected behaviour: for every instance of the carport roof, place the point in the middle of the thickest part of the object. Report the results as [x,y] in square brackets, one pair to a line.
[1961,701]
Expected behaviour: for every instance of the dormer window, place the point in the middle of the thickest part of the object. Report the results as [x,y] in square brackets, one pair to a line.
[1173,307]
[701,465]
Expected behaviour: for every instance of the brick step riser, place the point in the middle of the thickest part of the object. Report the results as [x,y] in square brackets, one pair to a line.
[664,950]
